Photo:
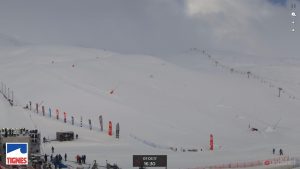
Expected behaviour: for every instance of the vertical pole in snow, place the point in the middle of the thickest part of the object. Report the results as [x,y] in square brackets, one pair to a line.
[72,120]
[279,91]
[29,105]
[57,114]
[37,108]
[211,143]
[8,95]
[5,91]
[80,121]
[101,123]
[49,112]
[90,124]
[65,117]
[12,98]
[118,131]
[110,128]
[43,110]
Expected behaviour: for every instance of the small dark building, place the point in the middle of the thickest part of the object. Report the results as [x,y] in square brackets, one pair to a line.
[65,136]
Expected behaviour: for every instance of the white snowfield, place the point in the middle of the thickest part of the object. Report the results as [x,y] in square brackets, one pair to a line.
[16,152]
[158,103]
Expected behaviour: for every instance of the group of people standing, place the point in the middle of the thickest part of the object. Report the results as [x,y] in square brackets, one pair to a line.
[81,159]
[56,160]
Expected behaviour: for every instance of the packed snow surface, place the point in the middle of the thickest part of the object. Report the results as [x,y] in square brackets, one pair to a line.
[159,103]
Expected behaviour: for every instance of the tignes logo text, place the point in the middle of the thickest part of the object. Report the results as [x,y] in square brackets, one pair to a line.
[16,153]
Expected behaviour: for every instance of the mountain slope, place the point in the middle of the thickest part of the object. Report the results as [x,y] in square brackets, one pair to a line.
[155,102]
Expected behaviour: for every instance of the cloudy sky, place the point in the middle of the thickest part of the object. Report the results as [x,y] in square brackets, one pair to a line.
[157,27]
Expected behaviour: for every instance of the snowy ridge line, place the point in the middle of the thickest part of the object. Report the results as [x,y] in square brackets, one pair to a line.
[283,160]
[250,74]
[151,144]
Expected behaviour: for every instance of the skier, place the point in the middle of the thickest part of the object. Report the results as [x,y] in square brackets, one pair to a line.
[51,157]
[273,150]
[65,156]
[52,149]
[280,152]
[76,136]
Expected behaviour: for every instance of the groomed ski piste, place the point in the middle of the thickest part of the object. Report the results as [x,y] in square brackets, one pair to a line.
[161,105]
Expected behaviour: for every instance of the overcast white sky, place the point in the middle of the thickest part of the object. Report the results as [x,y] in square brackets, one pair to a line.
[158,27]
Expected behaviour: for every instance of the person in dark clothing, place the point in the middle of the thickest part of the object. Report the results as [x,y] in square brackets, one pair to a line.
[65,156]
[5,133]
[76,136]
[79,160]
[280,152]
[273,150]
[56,159]
[52,149]
[45,157]
[83,159]
[59,157]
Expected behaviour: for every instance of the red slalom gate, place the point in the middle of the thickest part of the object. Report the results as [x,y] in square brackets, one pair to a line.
[211,143]
[65,117]
[110,128]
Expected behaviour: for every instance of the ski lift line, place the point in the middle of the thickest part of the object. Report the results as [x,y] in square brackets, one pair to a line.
[262,79]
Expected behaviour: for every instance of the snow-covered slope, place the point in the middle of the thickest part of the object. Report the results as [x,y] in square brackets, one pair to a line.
[159,104]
